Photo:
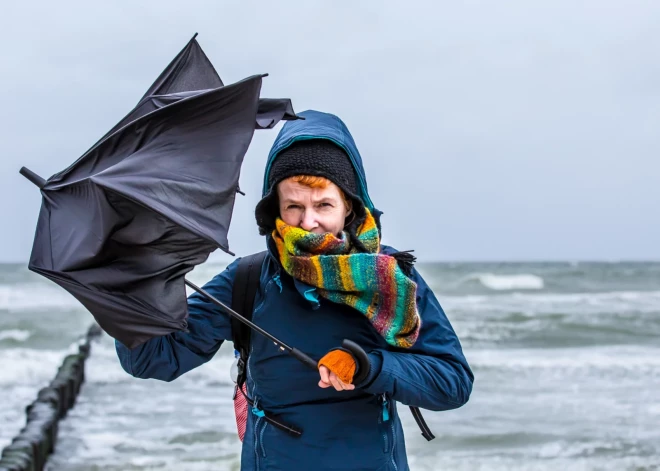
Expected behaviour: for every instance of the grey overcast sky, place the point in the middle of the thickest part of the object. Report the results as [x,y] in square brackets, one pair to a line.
[489,130]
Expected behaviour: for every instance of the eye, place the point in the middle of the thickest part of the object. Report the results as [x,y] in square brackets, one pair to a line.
[292,206]
[325,204]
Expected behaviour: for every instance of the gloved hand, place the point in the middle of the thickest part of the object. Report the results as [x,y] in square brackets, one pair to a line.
[344,367]
[340,366]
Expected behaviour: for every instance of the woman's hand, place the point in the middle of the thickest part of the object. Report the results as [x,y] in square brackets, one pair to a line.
[328,379]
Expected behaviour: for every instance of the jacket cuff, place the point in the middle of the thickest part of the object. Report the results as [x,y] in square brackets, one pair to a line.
[376,361]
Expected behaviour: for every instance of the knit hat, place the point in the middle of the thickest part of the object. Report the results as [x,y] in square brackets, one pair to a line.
[318,157]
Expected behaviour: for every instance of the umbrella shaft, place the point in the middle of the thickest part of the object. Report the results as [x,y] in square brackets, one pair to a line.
[235,314]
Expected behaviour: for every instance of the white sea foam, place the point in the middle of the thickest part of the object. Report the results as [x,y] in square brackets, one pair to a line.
[22,373]
[24,366]
[15,334]
[523,281]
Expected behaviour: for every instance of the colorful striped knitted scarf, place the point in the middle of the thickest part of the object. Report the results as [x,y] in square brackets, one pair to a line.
[370,282]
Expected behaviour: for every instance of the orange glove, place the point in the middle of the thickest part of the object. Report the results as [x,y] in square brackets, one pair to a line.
[342,363]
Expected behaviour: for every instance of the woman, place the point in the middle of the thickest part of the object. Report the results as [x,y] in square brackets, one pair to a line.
[326,278]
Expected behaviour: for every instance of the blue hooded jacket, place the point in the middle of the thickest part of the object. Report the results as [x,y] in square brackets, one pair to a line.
[348,430]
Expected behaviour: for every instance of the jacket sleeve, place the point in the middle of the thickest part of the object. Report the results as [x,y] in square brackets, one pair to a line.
[169,356]
[434,373]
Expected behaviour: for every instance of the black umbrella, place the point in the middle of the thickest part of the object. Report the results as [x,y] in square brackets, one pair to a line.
[121,227]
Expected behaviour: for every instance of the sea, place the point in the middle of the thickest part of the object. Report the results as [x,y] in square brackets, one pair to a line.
[566,357]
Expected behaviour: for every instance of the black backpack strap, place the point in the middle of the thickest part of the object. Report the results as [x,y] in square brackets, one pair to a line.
[244,290]
[421,423]
[246,284]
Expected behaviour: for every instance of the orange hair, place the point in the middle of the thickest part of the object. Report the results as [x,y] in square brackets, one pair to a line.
[313,181]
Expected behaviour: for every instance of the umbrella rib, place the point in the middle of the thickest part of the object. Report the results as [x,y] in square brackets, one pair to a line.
[169,106]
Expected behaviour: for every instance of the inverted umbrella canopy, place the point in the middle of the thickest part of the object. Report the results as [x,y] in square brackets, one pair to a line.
[121,227]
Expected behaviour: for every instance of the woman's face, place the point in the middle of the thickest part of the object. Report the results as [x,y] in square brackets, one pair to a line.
[315,210]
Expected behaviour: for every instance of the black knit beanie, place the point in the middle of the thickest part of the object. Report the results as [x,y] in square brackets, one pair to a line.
[318,157]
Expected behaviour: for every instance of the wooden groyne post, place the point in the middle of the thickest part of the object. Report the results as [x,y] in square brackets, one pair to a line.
[30,449]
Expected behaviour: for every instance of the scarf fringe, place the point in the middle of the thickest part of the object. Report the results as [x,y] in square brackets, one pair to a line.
[406,260]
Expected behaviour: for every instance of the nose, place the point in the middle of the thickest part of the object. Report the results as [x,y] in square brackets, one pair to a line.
[309,220]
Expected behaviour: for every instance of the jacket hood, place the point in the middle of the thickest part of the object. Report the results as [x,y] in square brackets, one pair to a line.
[318,125]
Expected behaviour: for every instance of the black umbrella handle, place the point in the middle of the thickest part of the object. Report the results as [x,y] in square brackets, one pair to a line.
[363,363]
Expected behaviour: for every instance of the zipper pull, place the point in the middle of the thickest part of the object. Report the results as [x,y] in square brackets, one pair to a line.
[258,412]
[278,281]
[233,370]
[386,412]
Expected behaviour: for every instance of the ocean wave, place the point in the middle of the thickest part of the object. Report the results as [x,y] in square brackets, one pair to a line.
[24,372]
[555,320]
[30,296]
[522,281]
[15,334]
[555,303]
[605,359]
[104,366]
[205,272]
[24,366]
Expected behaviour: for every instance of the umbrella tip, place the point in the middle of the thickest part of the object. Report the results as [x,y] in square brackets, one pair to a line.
[33,177]
[194,36]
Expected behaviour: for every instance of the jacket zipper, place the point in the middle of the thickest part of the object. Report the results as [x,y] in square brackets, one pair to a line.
[255,410]
[256,402]
[261,439]
[256,440]
[385,419]
[393,445]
